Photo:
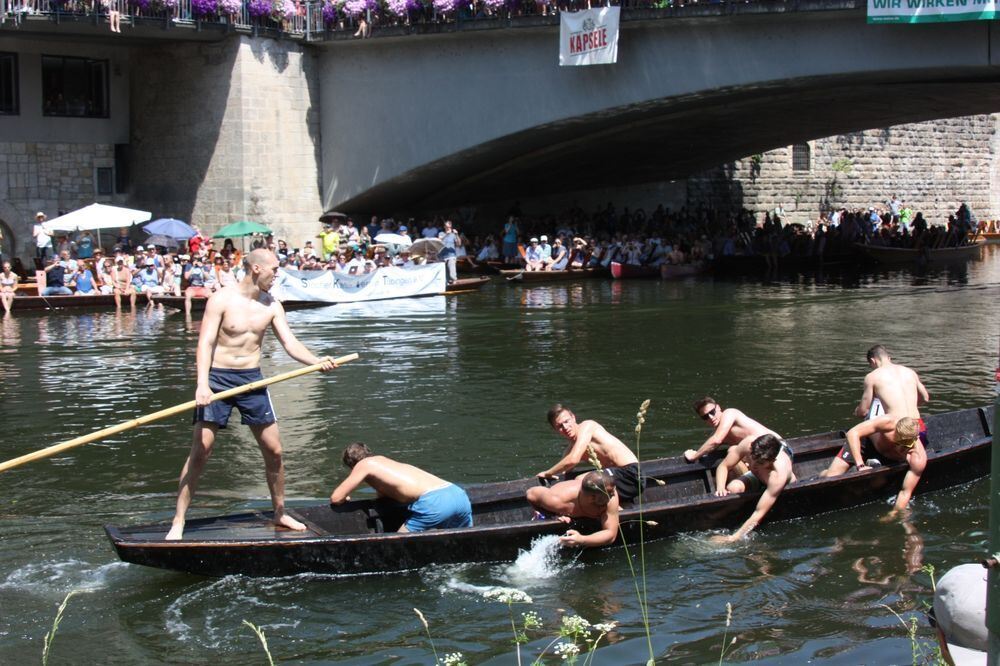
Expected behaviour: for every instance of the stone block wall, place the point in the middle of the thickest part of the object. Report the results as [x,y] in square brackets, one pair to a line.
[933,166]
[226,132]
[48,177]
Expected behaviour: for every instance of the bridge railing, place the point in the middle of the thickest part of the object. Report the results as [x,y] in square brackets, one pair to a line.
[317,19]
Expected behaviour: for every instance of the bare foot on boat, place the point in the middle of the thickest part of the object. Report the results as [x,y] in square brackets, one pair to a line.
[176,532]
[287,521]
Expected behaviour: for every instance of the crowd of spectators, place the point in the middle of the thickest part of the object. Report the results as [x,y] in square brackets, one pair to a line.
[573,239]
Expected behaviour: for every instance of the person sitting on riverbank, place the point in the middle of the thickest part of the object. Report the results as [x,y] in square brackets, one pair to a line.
[8,286]
[590,441]
[83,280]
[770,470]
[592,495]
[431,502]
[730,426]
[55,279]
[122,282]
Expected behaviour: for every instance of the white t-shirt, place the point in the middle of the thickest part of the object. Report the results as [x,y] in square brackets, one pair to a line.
[42,238]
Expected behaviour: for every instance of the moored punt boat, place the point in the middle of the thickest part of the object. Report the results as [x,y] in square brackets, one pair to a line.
[360,537]
[633,272]
[990,237]
[903,255]
[60,302]
[198,303]
[520,275]
[464,266]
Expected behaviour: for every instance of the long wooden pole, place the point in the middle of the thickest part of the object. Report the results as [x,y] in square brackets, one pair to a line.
[162,414]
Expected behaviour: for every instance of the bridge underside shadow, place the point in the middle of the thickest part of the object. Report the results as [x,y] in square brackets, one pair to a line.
[671,139]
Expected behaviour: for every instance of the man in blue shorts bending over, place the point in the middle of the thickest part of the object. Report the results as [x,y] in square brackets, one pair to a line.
[432,502]
[229,356]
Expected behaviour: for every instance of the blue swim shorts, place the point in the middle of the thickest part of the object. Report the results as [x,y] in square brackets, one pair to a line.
[255,406]
[444,507]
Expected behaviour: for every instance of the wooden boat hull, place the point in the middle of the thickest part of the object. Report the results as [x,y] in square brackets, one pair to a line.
[522,276]
[465,267]
[901,256]
[63,302]
[468,284]
[359,537]
[631,272]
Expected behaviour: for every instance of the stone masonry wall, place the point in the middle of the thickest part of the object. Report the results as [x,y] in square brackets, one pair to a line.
[227,132]
[48,177]
[933,166]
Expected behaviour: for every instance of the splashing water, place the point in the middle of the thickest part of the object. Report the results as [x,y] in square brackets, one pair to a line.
[542,561]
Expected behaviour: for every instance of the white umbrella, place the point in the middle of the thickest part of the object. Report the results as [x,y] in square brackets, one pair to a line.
[395,239]
[97,216]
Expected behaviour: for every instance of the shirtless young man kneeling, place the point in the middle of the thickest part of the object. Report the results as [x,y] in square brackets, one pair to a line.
[770,469]
[229,356]
[433,502]
[731,426]
[615,458]
[590,496]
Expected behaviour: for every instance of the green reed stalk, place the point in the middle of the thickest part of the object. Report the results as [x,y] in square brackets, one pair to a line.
[49,637]
[428,630]
[263,640]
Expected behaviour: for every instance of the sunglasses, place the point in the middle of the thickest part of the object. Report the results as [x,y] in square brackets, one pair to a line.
[710,413]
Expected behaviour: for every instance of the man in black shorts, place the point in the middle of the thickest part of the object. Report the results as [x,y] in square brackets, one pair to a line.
[229,356]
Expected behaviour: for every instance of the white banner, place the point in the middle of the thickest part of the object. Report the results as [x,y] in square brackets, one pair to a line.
[930,11]
[589,37]
[332,287]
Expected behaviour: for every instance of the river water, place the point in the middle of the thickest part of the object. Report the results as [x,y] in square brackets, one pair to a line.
[460,385]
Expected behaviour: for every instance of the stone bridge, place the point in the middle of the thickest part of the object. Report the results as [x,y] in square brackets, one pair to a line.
[476,115]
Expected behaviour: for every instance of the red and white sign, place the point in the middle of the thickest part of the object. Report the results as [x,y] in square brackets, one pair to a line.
[589,37]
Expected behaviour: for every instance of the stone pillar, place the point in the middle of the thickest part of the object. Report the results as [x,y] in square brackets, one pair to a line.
[227,131]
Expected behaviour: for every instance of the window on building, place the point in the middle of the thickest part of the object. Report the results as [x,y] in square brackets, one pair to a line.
[105,180]
[801,157]
[74,87]
[8,85]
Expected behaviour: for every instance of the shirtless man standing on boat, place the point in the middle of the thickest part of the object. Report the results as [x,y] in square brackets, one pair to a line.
[770,470]
[897,433]
[590,436]
[229,356]
[591,496]
[432,502]
[731,426]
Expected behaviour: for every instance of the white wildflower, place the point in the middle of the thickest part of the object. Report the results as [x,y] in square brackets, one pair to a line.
[605,627]
[566,650]
[531,620]
[453,659]
[507,595]
[574,624]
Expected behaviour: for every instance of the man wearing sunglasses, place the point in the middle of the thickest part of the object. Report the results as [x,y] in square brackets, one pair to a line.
[731,426]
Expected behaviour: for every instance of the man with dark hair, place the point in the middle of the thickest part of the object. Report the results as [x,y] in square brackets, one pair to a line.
[432,502]
[730,426]
[229,348]
[590,496]
[892,388]
[590,441]
[770,471]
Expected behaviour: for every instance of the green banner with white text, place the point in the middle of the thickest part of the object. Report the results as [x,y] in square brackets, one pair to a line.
[930,11]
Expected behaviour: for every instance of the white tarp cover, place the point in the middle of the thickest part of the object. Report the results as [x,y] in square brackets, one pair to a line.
[589,37]
[333,287]
[930,11]
[97,216]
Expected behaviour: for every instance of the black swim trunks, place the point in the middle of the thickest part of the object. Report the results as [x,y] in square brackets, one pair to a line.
[626,481]
[868,452]
[255,406]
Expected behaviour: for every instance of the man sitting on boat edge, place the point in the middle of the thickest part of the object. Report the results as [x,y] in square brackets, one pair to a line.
[589,438]
[431,502]
[770,471]
[591,496]
[731,426]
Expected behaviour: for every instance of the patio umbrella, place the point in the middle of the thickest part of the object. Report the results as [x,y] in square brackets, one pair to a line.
[395,239]
[96,216]
[331,215]
[240,229]
[163,241]
[168,226]
[426,247]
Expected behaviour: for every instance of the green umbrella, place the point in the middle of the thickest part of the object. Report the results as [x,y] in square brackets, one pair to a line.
[240,229]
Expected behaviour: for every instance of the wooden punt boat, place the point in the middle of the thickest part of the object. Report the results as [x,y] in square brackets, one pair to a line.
[902,255]
[633,272]
[198,304]
[465,267]
[524,276]
[359,536]
[62,302]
